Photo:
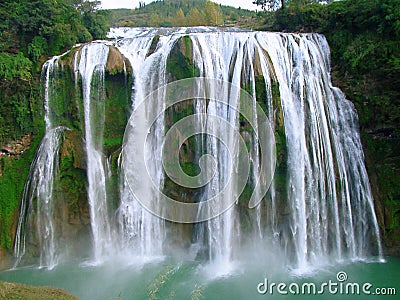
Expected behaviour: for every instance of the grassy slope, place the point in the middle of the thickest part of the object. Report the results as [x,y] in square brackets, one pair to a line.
[25,292]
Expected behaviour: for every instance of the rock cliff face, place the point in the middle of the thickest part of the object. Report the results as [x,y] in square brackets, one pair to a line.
[17,147]
[381,144]
[383,163]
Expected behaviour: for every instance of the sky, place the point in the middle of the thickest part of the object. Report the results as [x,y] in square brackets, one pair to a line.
[108,4]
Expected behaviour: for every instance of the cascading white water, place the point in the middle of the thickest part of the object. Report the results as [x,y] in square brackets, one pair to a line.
[91,68]
[90,65]
[318,135]
[39,187]
[212,54]
[141,231]
[321,216]
[40,182]
[330,209]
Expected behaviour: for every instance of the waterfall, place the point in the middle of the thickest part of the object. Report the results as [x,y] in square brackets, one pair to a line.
[141,231]
[40,183]
[92,68]
[320,128]
[319,206]
[213,54]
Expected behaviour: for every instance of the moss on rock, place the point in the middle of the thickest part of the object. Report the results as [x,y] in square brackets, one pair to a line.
[72,183]
[153,45]
[180,61]
[383,161]
[117,106]
[14,171]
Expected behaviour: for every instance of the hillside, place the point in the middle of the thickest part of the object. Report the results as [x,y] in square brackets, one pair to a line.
[169,13]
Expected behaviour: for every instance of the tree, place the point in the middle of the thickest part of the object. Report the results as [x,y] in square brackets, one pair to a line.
[155,20]
[213,13]
[180,19]
[30,31]
[196,18]
[48,27]
[94,19]
[270,4]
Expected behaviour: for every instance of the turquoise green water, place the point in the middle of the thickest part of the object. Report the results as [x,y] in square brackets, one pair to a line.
[168,279]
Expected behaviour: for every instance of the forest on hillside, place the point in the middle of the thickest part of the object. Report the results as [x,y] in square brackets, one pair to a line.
[30,32]
[175,13]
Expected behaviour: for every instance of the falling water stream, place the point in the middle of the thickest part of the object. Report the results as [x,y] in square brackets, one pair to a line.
[92,68]
[323,212]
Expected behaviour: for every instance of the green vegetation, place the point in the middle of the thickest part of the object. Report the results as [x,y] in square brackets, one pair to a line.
[190,168]
[15,67]
[30,32]
[112,142]
[383,160]
[19,291]
[72,177]
[270,4]
[116,110]
[45,27]
[13,173]
[180,61]
[169,13]
[181,67]
[64,111]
